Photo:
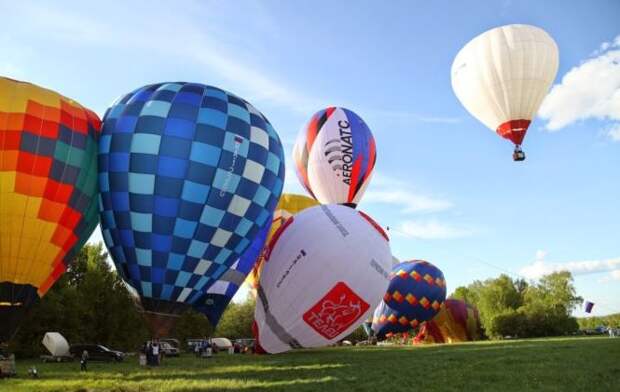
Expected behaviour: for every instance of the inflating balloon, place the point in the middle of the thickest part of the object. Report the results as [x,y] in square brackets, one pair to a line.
[502,77]
[326,269]
[289,205]
[334,156]
[48,188]
[415,294]
[457,321]
[189,174]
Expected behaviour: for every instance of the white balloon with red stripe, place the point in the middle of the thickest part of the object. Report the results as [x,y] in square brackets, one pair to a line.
[326,270]
[503,75]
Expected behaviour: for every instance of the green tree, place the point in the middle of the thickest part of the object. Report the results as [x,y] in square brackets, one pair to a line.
[192,325]
[236,322]
[88,304]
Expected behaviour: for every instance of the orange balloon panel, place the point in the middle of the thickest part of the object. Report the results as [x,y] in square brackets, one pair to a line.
[457,321]
[48,177]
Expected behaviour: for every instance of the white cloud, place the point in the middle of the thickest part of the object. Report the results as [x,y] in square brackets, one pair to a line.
[184,38]
[590,90]
[408,202]
[615,274]
[614,132]
[542,267]
[410,116]
[389,190]
[430,230]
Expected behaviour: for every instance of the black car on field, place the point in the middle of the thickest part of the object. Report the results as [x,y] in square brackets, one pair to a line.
[96,352]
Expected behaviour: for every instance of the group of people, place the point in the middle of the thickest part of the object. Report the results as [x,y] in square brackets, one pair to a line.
[152,350]
[205,348]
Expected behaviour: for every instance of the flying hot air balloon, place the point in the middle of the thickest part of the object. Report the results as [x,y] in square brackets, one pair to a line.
[289,205]
[189,175]
[335,156]
[502,77]
[415,294]
[326,269]
[48,188]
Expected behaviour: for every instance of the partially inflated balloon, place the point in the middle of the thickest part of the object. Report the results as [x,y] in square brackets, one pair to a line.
[334,156]
[48,187]
[326,269]
[289,205]
[416,291]
[502,76]
[457,321]
[189,174]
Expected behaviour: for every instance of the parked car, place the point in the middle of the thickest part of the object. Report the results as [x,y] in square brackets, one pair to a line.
[97,352]
[168,350]
[173,342]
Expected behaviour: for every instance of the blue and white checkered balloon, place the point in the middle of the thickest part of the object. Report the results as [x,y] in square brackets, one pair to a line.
[189,175]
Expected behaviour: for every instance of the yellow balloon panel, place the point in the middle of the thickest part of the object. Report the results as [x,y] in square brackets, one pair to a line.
[47,182]
[457,321]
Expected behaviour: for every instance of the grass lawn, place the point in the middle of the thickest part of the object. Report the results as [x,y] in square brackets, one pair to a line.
[558,364]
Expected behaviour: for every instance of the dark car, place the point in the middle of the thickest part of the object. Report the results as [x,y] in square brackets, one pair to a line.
[97,352]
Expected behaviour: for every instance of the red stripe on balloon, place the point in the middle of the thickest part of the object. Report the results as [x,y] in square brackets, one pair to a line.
[353,186]
[375,225]
[276,237]
[513,130]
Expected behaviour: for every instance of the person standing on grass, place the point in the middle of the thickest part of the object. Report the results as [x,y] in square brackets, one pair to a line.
[84,361]
[156,352]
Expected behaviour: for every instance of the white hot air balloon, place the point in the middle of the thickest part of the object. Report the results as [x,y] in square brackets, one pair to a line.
[326,270]
[502,77]
[334,156]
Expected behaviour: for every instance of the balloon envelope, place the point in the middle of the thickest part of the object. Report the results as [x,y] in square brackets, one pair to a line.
[326,269]
[189,174]
[289,205]
[415,294]
[457,321]
[335,156]
[503,75]
[48,187]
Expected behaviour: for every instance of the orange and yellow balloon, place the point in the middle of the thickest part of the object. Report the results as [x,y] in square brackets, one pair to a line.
[48,192]
[457,321]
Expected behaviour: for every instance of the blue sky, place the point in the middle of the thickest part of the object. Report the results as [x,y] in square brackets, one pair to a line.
[445,184]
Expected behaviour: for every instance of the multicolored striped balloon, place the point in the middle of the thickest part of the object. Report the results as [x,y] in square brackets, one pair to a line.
[335,155]
[48,184]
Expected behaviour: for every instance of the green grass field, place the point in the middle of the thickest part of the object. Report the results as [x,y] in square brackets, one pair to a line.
[559,364]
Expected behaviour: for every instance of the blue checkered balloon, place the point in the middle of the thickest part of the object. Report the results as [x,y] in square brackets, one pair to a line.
[189,175]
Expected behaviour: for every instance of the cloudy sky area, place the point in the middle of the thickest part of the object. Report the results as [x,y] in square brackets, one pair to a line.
[444,184]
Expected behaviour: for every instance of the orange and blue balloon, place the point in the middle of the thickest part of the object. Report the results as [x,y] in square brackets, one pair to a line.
[415,294]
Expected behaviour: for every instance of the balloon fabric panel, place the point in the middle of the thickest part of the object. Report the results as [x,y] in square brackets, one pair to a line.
[415,294]
[189,174]
[48,185]
[334,156]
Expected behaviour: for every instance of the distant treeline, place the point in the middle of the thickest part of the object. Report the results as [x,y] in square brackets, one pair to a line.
[91,304]
[516,308]
[612,320]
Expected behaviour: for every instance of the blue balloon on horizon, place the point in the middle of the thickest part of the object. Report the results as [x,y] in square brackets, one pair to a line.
[415,294]
[189,177]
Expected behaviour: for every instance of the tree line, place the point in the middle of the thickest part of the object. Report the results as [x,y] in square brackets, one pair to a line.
[91,304]
[515,308]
